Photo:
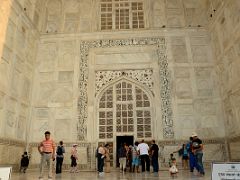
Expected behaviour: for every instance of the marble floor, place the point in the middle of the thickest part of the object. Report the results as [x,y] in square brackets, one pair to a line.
[114,175]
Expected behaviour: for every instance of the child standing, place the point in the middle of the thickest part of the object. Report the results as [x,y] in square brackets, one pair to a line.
[74,159]
[24,162]
[173,166]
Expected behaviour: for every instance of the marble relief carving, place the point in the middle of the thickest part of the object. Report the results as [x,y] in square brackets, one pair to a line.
[4,72]
[53,16]
[163,71]
[21,127]
[1,100]
[143,76]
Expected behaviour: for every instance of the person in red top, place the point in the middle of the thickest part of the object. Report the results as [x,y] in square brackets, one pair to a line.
[47,150]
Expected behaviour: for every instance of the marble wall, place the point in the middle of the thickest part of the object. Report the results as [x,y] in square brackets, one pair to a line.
[18,46]
[50,56]
[224,25]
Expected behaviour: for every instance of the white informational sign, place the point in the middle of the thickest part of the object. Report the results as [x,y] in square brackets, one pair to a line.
[5,173]
[226,171]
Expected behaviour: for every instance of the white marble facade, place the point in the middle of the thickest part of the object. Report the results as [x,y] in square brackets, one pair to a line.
[186,59]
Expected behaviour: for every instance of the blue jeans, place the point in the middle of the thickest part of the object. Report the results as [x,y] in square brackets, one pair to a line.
[192,162]
[199,162]
[155,163]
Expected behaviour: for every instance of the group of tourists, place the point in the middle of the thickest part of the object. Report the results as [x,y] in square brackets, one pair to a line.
[191,154]
[130,157]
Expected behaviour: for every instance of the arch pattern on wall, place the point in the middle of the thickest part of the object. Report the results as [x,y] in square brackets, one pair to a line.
[165,92]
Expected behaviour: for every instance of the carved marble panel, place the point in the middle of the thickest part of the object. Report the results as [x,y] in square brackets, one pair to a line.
[82,155]
[46,56]
[54,8]
[21,127]
[3,151]
[158,10]
[46,76]
[64,113]
[38,129]
[20,41]
[61,130]
[42,113]
[36,19]
[65,76]
[205,107]
[10,125]
[216,44]
[230,123]
[19,64]
[214,152]
[234,73]
[7,54]
[203,72]
[185,109]
[72,6]
[45,91]
[66,55]
[204,87]
[209,121]
[26,87]
[182,72]
[62,94]
[2,98]
[23,110]
[11,104]
[186,123]
[200,53]
[235,150]
[179,53]
[4,75]
[183,88]
[178,40]
[10,35]
[85,7]
[199,40]
[28,7]
[85,25]
[174,21]
[71,26]
[173,4]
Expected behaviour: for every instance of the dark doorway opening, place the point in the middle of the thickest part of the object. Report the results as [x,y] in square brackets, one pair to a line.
[120,141]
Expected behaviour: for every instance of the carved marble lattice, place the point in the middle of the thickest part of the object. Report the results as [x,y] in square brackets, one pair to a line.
[123,95]
[144,76]
[164,79]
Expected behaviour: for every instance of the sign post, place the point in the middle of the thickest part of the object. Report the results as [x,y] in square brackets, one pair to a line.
[226,171]
[5,173]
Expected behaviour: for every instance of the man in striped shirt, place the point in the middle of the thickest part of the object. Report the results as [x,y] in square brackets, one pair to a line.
[47,150]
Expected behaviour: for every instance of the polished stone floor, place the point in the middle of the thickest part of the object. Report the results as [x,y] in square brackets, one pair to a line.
[88,175]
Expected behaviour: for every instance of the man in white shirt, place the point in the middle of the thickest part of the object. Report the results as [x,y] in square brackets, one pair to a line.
[143,149]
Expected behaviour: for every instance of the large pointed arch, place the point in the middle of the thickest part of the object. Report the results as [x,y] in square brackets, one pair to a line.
[124,107]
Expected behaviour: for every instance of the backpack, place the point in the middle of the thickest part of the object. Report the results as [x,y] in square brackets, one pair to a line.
[24,161]
[180,152]
[59,150]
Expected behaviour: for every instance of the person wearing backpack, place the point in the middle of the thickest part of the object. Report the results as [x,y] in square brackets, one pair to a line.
[60,157]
